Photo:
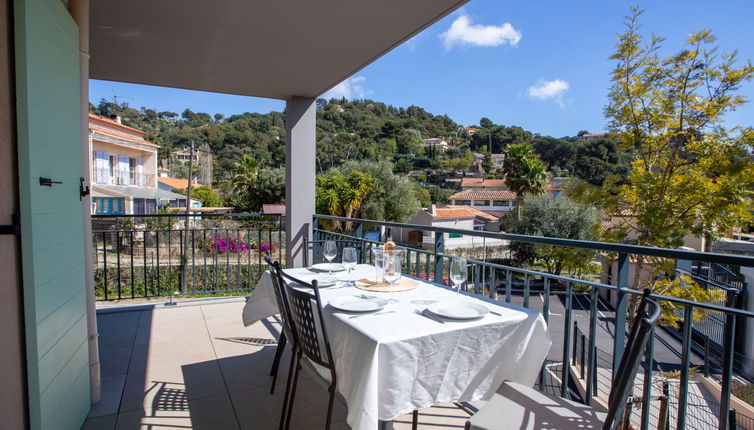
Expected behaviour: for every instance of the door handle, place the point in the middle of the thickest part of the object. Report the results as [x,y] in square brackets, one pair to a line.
[47,182]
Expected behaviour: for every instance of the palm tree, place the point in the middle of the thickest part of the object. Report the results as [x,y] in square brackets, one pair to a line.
[342,195]
[524,172]
[247,171]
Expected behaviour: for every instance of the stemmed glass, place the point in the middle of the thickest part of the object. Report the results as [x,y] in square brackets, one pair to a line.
[349,261]
[331,251]
[458,273]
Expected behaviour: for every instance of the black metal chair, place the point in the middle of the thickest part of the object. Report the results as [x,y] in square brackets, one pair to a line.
[287,330]
[521,407]
[317,248]
[313,345]
[303,309]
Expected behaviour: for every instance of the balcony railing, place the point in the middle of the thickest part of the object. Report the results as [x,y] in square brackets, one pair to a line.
[145,256]
[587,300]
[105,176]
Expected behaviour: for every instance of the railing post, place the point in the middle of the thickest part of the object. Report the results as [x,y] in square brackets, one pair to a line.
[620,310]
[706,356]
[683,393]
[566,371]
[583,354]
[575,342]
[727,368]
[439,250]
[663,417]
[591,382]
[647,389]
[732,419]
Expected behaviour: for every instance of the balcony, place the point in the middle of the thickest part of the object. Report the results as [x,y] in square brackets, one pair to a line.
[107,176]
[222,366]
[199,367]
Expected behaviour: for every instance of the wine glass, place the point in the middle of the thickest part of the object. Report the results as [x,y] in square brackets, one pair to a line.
[349,261]
[458,273]
[331,251]
[392,265]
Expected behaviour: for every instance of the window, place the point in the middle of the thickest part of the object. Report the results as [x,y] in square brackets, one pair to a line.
[501,203]
[109,205]
[481,203]
[463,202]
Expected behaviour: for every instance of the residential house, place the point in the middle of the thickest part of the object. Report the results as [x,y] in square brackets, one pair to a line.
[184,155]
[461,217]
[437,143]
[493,202]
[180,185]
[483,184]
[124,167]
[590,136]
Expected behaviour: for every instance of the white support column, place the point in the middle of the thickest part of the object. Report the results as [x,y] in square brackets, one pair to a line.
[300,155]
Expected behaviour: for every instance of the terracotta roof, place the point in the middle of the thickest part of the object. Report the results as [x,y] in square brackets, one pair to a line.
[273,209]
[109,122]
[460,212]
[122,135]
[476,212]
[178,184]
[483,195]
[482,183]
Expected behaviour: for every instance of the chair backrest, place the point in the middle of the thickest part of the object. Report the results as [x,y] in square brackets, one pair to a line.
[308,321]
[281,298]
[318,250]
[646,316]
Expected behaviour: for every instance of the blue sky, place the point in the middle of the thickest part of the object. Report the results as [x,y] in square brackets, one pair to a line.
[540,65]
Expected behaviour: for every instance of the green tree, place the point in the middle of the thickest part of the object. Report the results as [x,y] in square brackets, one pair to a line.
[599,159]
[524,172]
[206,196]
[342,194]
[561,218]
[394,198]
[247,172]
[693,172]
[487,163]
[269,188]
[460,164]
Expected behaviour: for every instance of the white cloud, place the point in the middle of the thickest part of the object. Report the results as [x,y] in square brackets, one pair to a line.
[544,90]
[351,88]
[463,32]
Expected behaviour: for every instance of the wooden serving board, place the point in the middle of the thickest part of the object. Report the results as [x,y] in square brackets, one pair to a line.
[403,284]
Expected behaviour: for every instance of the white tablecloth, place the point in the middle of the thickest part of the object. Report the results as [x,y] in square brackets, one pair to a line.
[392,363]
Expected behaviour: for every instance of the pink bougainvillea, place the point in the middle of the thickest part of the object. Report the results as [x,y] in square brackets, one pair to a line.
[223,245]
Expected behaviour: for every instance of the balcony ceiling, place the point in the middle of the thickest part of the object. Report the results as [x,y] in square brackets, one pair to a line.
[273,48]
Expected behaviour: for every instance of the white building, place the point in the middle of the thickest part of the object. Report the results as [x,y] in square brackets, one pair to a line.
[494,202]
[437,143]
[124,170]
[460,217]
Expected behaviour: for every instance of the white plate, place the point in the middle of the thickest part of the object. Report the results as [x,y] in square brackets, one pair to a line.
[324,281]
[357,304]
[458,311]
[327,267]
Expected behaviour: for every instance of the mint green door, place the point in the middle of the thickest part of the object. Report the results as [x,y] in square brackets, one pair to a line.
[49,146]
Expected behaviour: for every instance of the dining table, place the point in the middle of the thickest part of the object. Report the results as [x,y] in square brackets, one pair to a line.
[400,358]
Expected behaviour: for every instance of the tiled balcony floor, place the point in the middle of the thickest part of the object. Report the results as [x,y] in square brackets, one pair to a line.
[198,367]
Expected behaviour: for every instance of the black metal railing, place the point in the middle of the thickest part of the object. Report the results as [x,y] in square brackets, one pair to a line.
[562,298]
[142,256]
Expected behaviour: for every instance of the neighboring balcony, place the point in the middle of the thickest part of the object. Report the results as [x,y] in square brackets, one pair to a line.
[107,176]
